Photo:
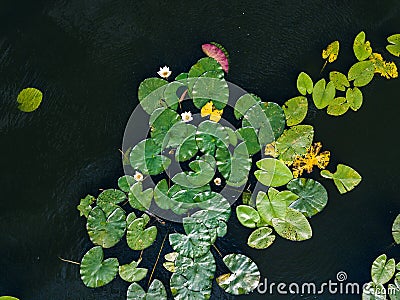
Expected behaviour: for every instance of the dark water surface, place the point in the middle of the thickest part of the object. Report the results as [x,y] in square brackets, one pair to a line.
[88,57]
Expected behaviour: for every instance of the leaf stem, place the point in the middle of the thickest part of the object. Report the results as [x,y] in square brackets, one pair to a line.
[326,62]
[219,252]
[69,261]
[158,257]
[182,97]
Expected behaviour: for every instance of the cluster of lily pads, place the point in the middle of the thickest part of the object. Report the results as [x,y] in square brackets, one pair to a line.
[192,159]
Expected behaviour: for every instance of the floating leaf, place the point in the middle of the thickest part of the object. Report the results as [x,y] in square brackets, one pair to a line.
[345,178]
[161,195]
[323,93]
[395,47]
[362,73]
[193,245]
[274,205]
[339,80]
[382,271]
[261,238]
[210,135]
[96,272]
[161,121]
[223,158]
[294,141]
[386,69]
[8,298]
[244,278]
[138,198]
[304,84]
[249,136]
[247,216]
[312,196]
[273,172]
[295,110]
[203,173]
[131,273]
[331,52]
[354,97]
[125,182]
[396,229]
[312,158]
[29,99]
[108,200]
[373,291]
[294,226]
[217,52]
[240,166]
[338,106]
[84,206]
[156,291]
[151,93]
[244,103]
[206,89]
[106,231]
[362,49]
[139,238]
[394,292]
[146,158]
[204,65]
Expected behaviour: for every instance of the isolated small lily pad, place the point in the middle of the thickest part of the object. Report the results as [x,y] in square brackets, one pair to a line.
[29,99]
[131,273]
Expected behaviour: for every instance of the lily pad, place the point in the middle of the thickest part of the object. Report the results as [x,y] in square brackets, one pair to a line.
[84,206]
[204,65]
[161,121]
[323,93]
[362,49]
[374,291]
[382,270]
[331,52]
[396,229]
[304,84]
[339,80]
[249,136]
[151,93]
[161,195]
[95,271]
[313,197]
[178,134]
[139,238]
[338,106]
[125,183]
[261,238]
[354,97]
[106,231]
[345,178]
[223,158]
[29,99]
[139,199]
[395,47]
[146,158]
[273,172]
[362,73]
[131,273]
[247,216]
[294,226]
[156,291]
[295,110]
[217,52]
[203,173]
[108,200]
[244,276]
[240,166]
[244,103]
[193,245]
[294,141]
[207,89]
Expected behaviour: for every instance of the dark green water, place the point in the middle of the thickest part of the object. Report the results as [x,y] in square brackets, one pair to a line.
[88,57]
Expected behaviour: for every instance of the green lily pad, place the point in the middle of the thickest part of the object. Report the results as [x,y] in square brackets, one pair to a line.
[323,93]
[204,65]
[313,197]
[95,271]
[170,93]
[396,229]
[131,273]
[394,292]
[362,49]
[8,298]
[273,172]
[295,110]
[84,206]
[395,47]
[354,97]
[178,134]
[373,291]
[261,238]
[106,231]
[294,226]
[274,205]
[108,200]
[125,183]
[304,84]
[211,135]
[156,291]
[193,245]
[247,216]
[161,121]
[223,158]
[244,277]
[338,106]
[339,80]
[345,178]
[294,141]
[139,199]
[203,173]
[139,238]
[151,93]
[362,73]
[187,149]
[146,158]
[382,270]
[244,103]
[161,195]
[29,99]
[249,136]
[240,166]
[207,89]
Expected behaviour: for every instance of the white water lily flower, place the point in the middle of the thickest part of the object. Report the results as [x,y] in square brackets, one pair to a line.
[186,116]
[138,176]
[217,181]
[164,72]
